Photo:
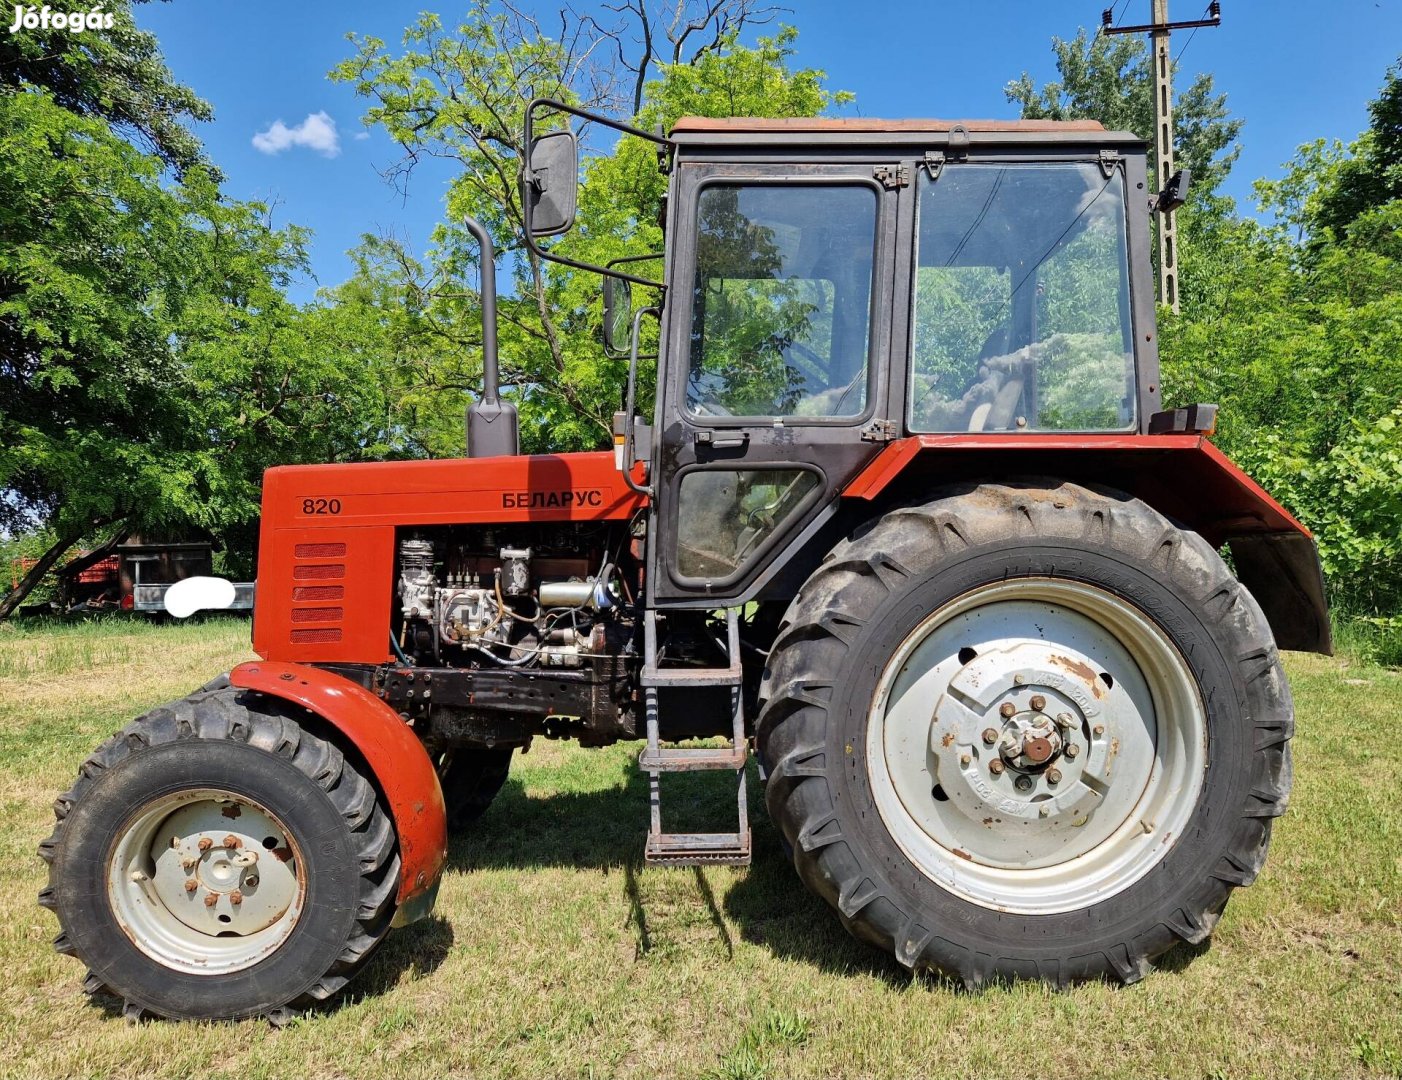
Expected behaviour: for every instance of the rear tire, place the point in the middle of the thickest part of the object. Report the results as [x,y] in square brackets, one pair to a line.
[214,860]
[884,779]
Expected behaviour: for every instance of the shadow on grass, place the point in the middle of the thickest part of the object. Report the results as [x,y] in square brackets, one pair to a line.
[605,830]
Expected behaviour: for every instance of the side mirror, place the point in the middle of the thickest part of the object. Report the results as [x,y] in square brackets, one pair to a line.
[550,185]
[618,316]
[1174,193]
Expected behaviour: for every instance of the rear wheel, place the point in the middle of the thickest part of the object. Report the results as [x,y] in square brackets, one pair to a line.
[1058,743]
[215,860]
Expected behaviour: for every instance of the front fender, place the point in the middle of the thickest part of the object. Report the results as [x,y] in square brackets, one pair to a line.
[400,764]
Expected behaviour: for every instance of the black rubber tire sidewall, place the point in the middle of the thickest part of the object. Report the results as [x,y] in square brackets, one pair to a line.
[329,862]
[1131,917]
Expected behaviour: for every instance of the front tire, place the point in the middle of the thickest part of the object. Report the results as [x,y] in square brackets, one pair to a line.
[215,860]
[1058,741]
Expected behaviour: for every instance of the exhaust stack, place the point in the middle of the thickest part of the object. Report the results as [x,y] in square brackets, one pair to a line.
[491,422]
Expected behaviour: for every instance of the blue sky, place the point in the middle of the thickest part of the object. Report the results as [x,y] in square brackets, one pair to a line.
[1293,70]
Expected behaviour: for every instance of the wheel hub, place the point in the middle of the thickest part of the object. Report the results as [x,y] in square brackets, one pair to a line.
[1036,745]
[206,881]
[1047,768]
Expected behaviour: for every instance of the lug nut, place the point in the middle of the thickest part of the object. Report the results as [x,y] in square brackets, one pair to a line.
[996,767]
[1038,703]
[1064,719]
[1053,776]
[232,842]
[236,897]
[989,736]
[965,760]
[191,885]
[1043,811]
[189,864]
[1019,679]
[1023,783]
[1072,751]
[1007,710]
[205,843]
[210,899]
[1098,730]
[138,876]
[175,841]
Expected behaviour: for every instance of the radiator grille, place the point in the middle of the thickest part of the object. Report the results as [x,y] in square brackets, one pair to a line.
[309,601]
[318,614]
[319,571]
[319,551]
[318,592]
[317,636]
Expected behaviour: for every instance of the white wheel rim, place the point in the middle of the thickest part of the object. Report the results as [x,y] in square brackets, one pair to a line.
[206,881]
[1021,825]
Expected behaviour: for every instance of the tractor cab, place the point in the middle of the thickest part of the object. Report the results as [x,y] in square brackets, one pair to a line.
[834,285]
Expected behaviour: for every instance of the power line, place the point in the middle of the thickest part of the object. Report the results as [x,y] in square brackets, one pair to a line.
[1192,35]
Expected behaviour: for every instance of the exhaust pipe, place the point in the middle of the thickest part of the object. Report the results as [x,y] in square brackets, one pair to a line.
[491,423]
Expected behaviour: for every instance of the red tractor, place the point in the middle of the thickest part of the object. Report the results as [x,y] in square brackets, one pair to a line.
[909,521]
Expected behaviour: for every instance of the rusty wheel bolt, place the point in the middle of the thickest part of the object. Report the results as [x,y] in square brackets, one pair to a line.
[205,843]
[189,864]
[1007,709]
[996,767]
[1053,776]
[236,897]
[989,736]
[1038,703]
[210,899]
[1023,783]
[233,842]
[965,760]
[1072,750]
[191,885]
[1098,730]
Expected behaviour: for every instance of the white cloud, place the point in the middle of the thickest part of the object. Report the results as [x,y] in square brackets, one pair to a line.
[361,136]
[317,132]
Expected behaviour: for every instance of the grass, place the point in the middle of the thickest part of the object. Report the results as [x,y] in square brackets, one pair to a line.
[554,953]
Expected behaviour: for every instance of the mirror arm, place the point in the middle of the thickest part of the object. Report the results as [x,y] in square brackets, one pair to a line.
[630,404]
[528,177]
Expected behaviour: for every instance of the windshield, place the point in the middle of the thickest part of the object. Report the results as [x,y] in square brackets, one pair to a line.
[1021,301]
[781,305]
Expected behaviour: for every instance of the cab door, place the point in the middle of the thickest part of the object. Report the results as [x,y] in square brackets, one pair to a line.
[777,347]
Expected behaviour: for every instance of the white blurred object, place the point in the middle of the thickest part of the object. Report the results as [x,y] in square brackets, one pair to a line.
[193,594]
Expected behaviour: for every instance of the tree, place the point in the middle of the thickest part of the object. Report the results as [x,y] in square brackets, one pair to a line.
[1111,79]
[1371,175]
[116,75]
[460,95]
[150,364]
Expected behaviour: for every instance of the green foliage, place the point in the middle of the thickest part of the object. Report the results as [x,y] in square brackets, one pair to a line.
[460,94]
[1111,79]
[1293,327]
[116,76]
[1372,175]
[151,365]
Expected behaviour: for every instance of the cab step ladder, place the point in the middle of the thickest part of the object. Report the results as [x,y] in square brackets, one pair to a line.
[694,849]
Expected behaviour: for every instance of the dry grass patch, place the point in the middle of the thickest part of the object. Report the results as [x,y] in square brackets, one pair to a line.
[554,953]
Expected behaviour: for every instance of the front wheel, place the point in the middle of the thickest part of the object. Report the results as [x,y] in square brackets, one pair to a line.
[1057,746]
[216,860]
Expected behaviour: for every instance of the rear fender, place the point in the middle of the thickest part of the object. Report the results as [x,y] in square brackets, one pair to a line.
[1184,477]
[400,764]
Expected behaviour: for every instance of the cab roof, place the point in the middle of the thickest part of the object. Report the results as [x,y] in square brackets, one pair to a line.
[701,131]
[865,125]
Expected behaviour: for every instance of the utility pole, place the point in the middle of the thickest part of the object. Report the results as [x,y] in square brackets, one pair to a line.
[1159,31]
